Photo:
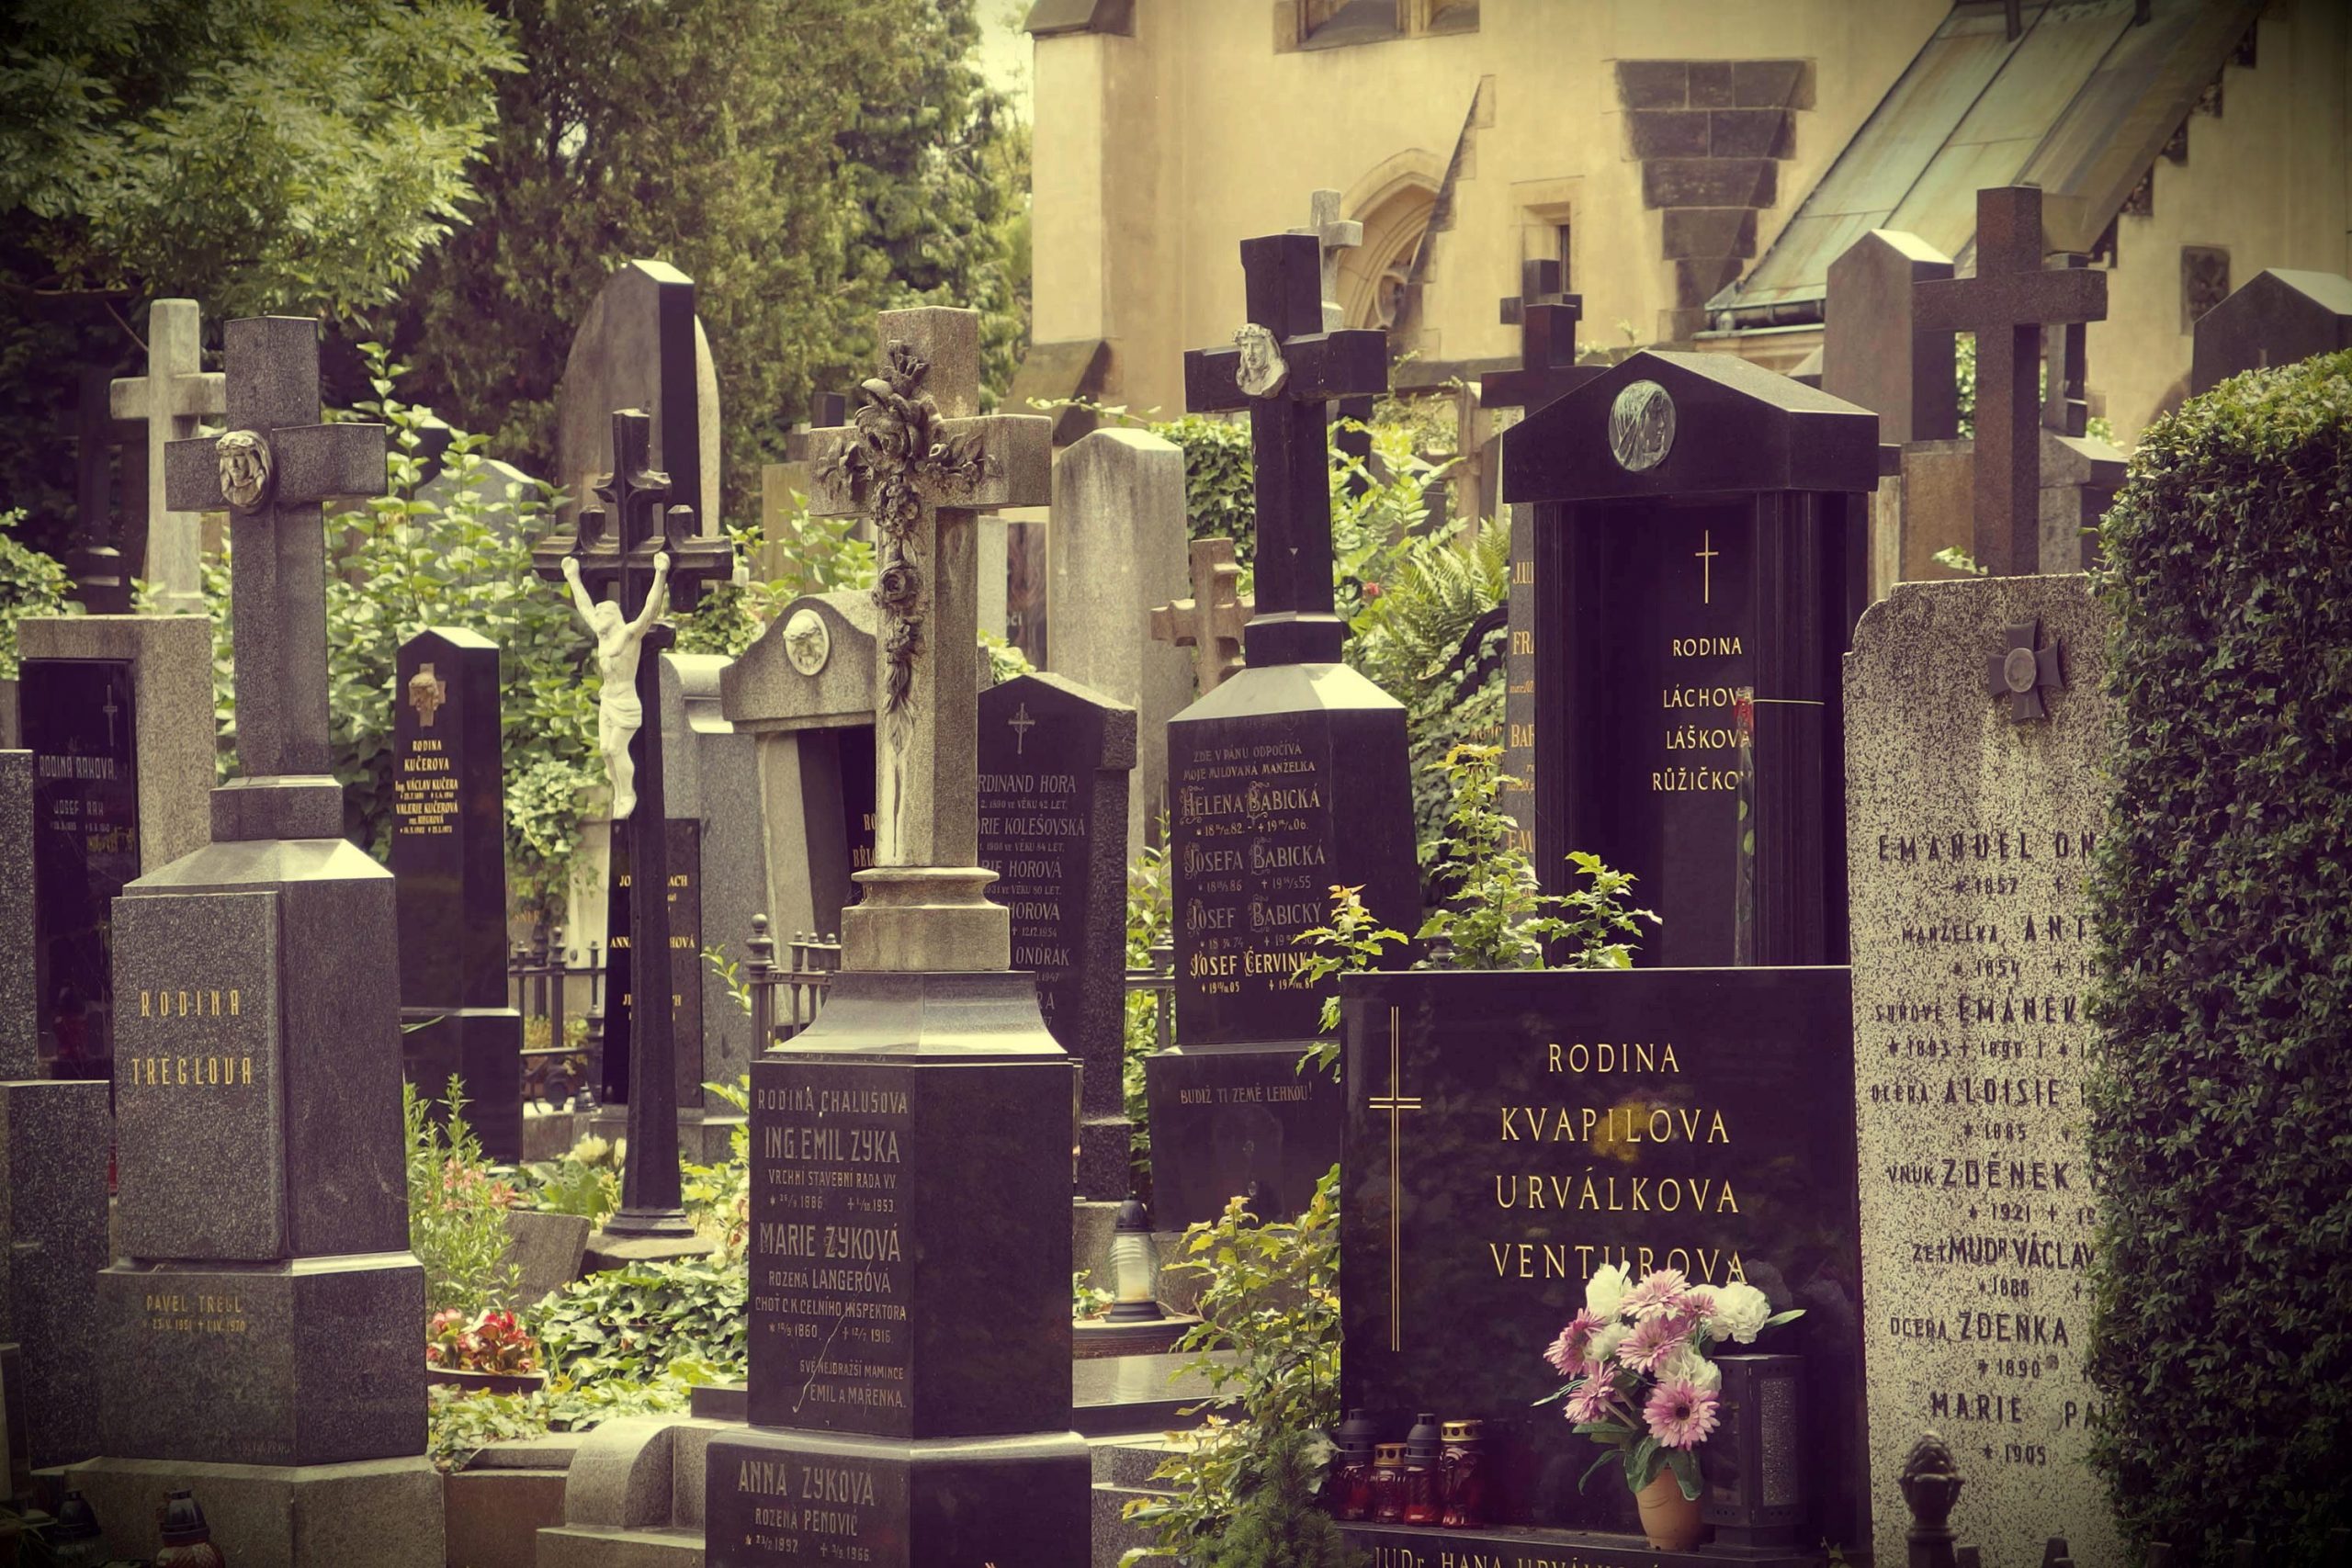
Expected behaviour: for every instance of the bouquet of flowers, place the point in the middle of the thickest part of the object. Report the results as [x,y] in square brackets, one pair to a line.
[494,1342]
[1638,1378]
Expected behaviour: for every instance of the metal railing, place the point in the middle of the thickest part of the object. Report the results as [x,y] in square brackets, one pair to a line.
[810,963]
[539,972]
[1160,980]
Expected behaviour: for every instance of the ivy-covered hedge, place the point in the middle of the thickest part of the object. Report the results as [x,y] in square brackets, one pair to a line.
[2220,1114]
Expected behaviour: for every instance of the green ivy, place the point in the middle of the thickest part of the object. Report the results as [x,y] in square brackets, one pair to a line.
[633,1325]
[1149,925]
[31,585]
[2219,1133]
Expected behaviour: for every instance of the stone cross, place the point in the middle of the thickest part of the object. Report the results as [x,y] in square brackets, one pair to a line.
[271,470]
[1210,623]
[169,400]
[1546,318]
[1284,369]
[2022,672]
[925,403]
[615,550]
[1332,234]
[2007,305]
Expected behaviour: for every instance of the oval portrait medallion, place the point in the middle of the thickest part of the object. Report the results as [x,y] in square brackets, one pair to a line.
[1640,426]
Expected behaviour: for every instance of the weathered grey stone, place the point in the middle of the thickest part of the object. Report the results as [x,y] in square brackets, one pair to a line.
[1968,840]
[713,777]
[620,1477]
[495,487]
[629,352]
[171,660]
[494,1514]
[1117,542]
[170,400]
[258,810]
[375,1514]
[1872,352]
[57,1137]
[812,666]
[19,1017]
[546,1250]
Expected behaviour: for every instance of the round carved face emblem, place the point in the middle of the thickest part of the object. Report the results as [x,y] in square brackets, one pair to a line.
[1262,371]
[245,469]
[1640,426]
[808,643]
[2018,671]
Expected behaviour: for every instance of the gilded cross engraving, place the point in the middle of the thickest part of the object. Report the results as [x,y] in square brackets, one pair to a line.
[1395,1103]
[1705,554]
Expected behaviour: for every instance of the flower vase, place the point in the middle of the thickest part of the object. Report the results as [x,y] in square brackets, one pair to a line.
[1669,1519]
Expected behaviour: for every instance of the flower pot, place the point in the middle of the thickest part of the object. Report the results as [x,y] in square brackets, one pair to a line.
[1669,1519]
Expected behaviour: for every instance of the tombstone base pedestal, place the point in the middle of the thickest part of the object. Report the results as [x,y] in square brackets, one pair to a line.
[1229,1120]
[382,1513]
[483,1046]
[778,1497]
[611,1249]
[1419,1546]
[930,919]
[58,1136]
[1105,1159]
[314,1361]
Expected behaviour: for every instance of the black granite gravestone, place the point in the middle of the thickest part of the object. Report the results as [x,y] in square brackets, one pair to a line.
[449,857]
[686,951]
[1508,1134]
[2279,317]
[1700,536]
[1055,760]
[78,717]
[1289,778]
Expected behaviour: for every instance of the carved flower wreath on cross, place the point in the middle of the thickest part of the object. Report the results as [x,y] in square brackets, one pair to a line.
[902,454]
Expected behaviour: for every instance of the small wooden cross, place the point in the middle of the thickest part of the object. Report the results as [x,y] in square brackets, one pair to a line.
[2007,305]
[1546,319]
[1284,369]
[1210,622]
[920,459]
[174,394]
[271,470]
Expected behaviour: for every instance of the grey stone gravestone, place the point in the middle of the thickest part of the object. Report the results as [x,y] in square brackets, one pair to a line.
[263,1312]
[1874,352]
[55,1137]
[2279,317]
[496,488]
[448,859]
[174,395]
[1976,722]
[1055,760]
[904,1415]
[641,346]
[1117,539]
[804,690]
[118,710]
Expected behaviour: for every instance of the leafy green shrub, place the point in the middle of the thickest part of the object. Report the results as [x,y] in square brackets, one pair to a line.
[584,1181]
[634,1325]
[31,585]
[457,1210]
[460,1423]
[1149,925]
[2219,1133]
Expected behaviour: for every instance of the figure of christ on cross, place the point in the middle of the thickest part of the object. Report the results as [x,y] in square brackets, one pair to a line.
[2007,305]
[618,644]
[1285,370]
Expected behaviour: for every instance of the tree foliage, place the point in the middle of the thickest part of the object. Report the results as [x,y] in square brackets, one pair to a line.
[2220,1135]
[805,164]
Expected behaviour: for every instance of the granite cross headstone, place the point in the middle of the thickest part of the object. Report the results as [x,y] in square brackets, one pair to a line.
[910,1270]
[1973,813]
[169,400]
[1212,621]
[650,549]
[2012,298]
[448,859]
[1055,760]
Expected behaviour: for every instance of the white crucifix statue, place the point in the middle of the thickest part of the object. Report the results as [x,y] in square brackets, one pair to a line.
[919,460]
[174,394]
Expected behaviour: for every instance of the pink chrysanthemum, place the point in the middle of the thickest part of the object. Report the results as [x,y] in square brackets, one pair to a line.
[1680,1414]
[1660,1295]
[1653,1340]
[1574,1343]
[1592,1401]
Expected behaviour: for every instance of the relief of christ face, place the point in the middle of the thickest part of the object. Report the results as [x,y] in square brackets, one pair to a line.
[245,469]
[1262,371]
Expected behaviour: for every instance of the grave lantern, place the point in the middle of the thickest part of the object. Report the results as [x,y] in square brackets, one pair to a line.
[1135,1265]
[1755,1463]
[1699,564]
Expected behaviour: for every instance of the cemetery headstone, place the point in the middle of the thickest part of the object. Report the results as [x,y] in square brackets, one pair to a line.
[651,560]
[1055,760]
[169,400]
[641,346]
[1875,351]
[1289,778]
[804,690]
[1117,541]
[1509,1133]
[1546,317]
[117,712]
[2279,317]
[905,1416]
[1699,566]
[1211,621]
[495,488]
[2009,302]
[1976,724]
[58,1138]
[264,1310]
[448,859]
[100,572]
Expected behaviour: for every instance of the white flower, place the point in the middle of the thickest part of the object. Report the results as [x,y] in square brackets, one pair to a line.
[1605,1342]
[1739,1315]
[1604,1293]
[1687,1362]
